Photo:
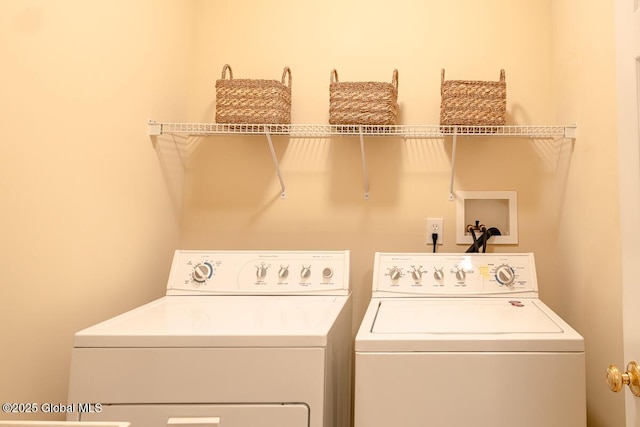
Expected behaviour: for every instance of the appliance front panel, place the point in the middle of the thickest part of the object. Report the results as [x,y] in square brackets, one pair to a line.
[470,389]
[205,415]
[197,375]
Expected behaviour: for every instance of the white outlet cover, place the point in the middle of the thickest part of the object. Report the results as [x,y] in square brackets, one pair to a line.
[440,223]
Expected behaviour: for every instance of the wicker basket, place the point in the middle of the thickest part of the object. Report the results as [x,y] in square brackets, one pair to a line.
[253,101]
[473,103]
[363,103]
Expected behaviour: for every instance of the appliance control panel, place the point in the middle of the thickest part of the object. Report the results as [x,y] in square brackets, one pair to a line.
[451,274]
[259,273]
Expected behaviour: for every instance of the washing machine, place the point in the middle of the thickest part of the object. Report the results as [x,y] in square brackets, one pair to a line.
[241,338]
[464,340]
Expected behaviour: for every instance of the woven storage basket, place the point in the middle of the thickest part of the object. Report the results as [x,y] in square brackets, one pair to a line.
[473,102]
[253,101]
[363,103]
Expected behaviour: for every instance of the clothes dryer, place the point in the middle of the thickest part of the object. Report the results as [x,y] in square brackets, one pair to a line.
[241,338]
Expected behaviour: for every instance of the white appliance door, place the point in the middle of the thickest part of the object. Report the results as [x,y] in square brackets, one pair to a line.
[205,415]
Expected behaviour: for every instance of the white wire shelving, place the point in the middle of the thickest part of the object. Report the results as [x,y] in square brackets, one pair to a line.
[404,131]
[362,131]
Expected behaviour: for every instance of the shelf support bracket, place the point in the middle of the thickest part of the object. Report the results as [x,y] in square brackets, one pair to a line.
[364,166]
[453,162]
[283,193]
[154,128]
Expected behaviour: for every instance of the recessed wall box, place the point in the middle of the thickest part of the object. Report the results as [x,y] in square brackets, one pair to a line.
[489,208]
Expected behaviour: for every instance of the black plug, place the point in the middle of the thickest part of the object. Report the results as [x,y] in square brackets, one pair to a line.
[434,238]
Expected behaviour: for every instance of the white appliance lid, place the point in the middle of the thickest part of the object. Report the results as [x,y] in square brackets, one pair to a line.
[220,321]
[464,324]
[455,316]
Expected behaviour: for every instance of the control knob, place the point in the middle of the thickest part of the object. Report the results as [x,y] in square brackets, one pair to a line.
[395,273]
[327,273]
[283,272]
[505,275]
[201,272]
[438,274]
[461,275]
[261,271]
[416,273]
[305,272]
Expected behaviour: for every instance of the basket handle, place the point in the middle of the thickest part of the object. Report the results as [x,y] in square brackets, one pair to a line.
[502,76]
[284,73]
[442,76]
[394,79]
[334,76]
[224,72]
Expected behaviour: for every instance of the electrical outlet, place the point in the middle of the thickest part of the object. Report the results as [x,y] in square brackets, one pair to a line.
[435,225]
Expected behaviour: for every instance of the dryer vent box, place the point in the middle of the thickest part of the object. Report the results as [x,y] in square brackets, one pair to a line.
[493,209]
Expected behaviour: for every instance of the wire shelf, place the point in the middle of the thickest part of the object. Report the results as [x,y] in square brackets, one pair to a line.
[404,131]
[555,132]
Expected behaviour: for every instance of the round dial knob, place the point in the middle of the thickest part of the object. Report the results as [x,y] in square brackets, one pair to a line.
[202,272]
[261,271]
[438,274]
[283,272]
[305,272]
[416,274]
[395,273]
[327,273]
[460,275]
[505,275]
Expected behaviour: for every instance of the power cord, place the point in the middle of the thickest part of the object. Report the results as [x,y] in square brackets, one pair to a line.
[434,238]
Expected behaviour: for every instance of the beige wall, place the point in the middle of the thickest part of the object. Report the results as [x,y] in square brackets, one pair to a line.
[548,49]
[589,277]
[233,192]
[558,59]
[90,214]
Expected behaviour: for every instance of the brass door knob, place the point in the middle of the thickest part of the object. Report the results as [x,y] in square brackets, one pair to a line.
[616,379]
